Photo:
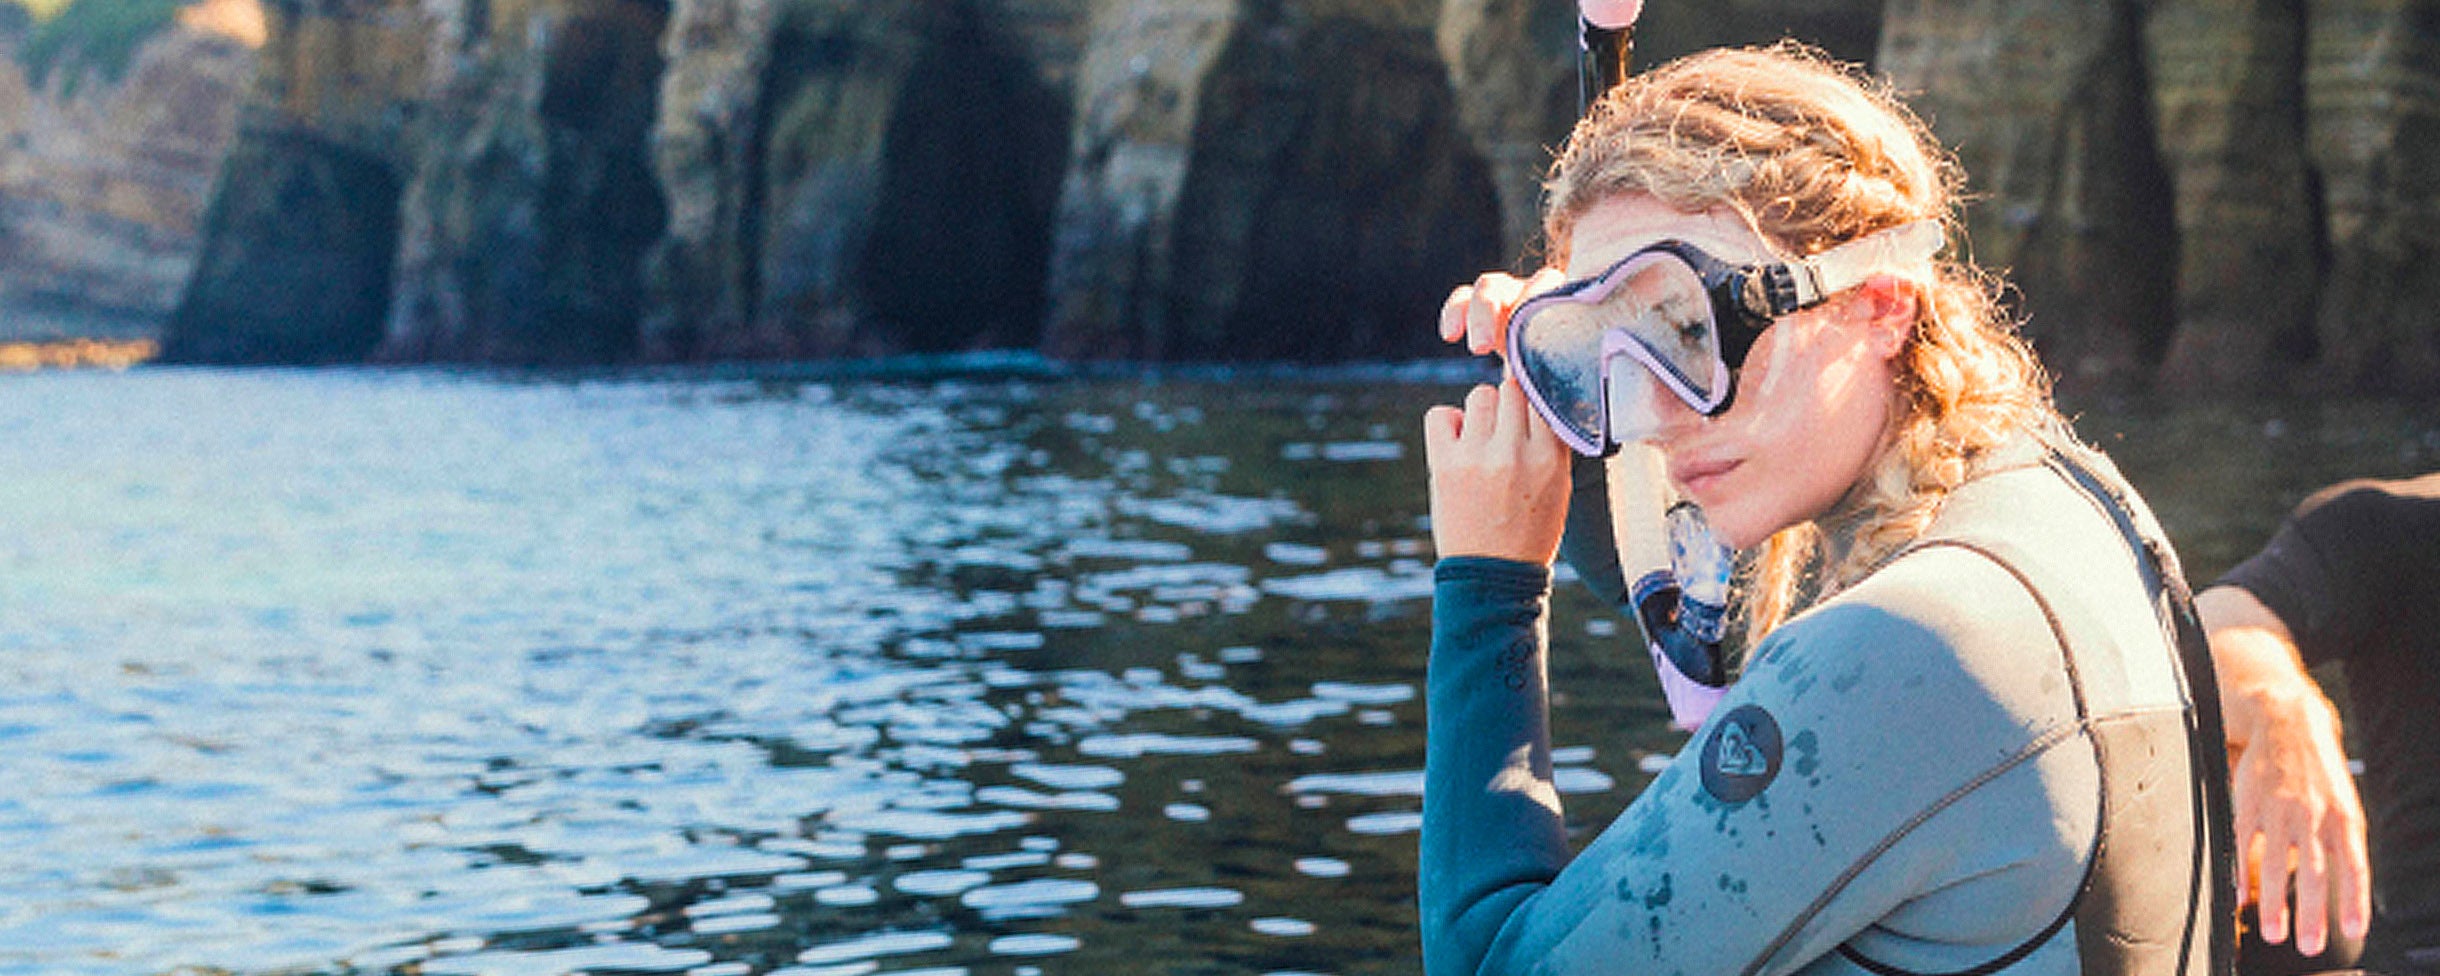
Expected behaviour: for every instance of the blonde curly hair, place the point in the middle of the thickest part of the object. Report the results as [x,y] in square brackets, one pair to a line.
[1813,153]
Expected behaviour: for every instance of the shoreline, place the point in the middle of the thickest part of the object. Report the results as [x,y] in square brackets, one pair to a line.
[110,354]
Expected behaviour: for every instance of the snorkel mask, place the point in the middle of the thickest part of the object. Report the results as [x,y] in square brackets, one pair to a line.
[1686,318]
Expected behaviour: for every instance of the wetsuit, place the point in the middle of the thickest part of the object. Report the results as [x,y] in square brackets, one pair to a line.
[1979,758]
[2354,573]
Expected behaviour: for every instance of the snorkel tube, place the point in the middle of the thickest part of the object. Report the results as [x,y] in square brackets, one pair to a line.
[1672,571]
[1605,29]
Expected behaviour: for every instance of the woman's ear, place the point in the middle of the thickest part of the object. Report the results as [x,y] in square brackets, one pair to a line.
[1886,307]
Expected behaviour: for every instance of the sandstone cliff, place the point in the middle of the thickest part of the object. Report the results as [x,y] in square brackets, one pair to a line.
[104,176]
[2213,193]
[303,229]
[2195,189]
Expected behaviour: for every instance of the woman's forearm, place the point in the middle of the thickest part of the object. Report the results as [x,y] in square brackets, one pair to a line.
[1493,835]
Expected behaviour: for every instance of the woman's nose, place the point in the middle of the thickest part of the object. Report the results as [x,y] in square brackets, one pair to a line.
[1672,418]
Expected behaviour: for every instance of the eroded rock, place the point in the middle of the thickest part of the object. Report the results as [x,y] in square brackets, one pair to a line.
[104,179]
[1293,181]
[2049,109]
[303,229]
[2206,187]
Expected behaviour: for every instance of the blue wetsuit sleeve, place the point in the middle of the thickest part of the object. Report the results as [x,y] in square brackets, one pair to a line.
[1864,771]
[1492,832]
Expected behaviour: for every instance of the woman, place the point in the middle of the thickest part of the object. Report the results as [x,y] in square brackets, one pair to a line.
[1962,741]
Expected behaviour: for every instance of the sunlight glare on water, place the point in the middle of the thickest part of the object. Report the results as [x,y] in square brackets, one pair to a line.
[328,669]
[356,671]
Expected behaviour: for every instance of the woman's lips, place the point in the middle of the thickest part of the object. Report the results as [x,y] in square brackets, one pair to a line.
[1699,477]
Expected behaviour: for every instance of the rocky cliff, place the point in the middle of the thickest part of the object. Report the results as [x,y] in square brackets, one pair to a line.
[105,170]
[2225,194]
[2201,190]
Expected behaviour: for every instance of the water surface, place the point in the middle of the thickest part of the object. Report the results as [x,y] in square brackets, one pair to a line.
[348,671]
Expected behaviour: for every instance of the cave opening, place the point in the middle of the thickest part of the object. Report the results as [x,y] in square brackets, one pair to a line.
[296,263]
[601,205]
[1331,202]
[959,252]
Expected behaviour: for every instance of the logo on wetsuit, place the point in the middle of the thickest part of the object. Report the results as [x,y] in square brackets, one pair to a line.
[1742,755]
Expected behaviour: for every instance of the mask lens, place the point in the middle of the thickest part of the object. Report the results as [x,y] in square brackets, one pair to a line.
[1650,310]
[1555,348]
[1660,315]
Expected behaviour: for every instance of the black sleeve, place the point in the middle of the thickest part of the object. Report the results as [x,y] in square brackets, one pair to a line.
[2353,566]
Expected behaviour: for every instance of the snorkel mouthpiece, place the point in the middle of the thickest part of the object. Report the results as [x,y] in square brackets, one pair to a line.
[1684,613]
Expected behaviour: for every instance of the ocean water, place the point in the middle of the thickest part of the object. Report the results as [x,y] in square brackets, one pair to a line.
[341,671]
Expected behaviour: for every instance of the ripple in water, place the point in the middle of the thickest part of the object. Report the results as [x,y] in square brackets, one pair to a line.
[418,669]
[876,945]
[1040,891]
[1182,898]
[1282,927]
[1034,945]
[939,884]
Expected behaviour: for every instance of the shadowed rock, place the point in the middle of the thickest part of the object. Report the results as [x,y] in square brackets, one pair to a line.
[297,264]
[532,202]
[2372,99]
[303,228]
[2048,106]
[1298,186]
[1512,65]
[2228,80]
[868,180]
[2201,190]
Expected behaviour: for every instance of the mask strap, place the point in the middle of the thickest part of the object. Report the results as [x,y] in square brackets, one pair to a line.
[1903,248]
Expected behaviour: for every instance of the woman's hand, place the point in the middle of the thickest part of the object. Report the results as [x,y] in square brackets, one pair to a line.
[1499,477]
[2297,814]
[1478,313]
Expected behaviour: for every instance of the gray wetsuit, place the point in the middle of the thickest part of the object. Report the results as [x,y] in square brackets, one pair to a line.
[1982,757]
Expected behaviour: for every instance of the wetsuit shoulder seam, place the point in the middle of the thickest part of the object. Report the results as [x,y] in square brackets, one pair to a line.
[2041,744]
[2081,726]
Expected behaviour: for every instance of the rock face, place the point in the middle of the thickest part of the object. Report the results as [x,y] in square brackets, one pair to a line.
[1298,185]
[103,182]
[850,179]
[2372,105]
[303,231]
[530,201]
[2046,103]
[2224,194]
[2200,190]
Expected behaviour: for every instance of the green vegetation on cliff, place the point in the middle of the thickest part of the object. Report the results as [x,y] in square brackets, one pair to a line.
[38,9]
[101,34]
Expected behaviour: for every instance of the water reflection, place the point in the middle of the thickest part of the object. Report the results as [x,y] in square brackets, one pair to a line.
[333,671]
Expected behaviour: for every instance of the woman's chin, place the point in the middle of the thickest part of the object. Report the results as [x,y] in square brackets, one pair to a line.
[1736,526]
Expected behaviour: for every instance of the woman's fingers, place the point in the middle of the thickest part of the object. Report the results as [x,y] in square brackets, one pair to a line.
[1483,410]
[1478,313]
[1453,313]
[1516,417]
[1497,489]
[1487,311]
[1441,427]
[1449,432]
[1533,428]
